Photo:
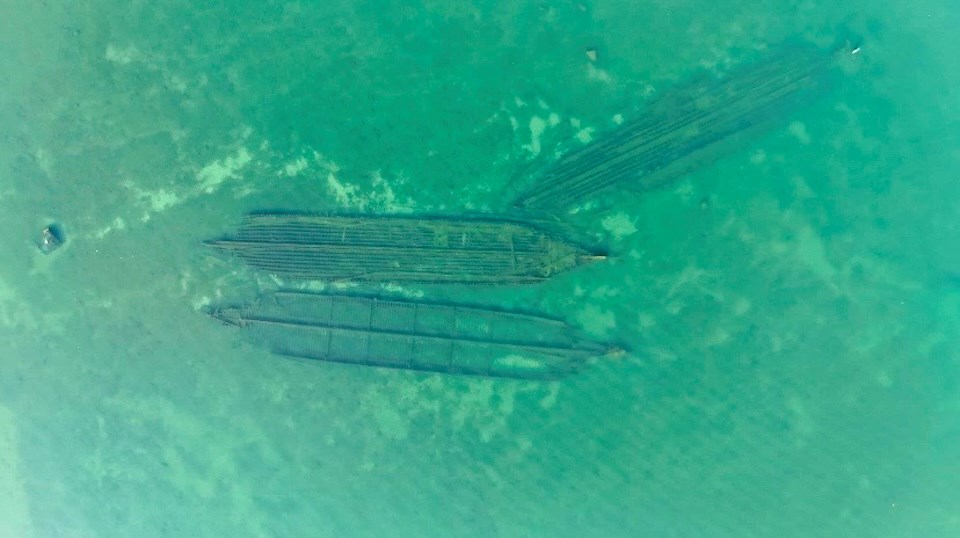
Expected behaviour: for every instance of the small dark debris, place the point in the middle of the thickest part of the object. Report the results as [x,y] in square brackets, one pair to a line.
[51,238]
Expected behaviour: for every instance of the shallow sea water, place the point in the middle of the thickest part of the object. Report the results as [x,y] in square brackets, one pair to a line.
[791,311]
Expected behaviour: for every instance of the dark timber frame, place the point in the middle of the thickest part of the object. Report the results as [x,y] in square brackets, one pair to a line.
[414,335]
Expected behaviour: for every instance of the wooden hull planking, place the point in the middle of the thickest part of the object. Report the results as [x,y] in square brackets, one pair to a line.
[408,249]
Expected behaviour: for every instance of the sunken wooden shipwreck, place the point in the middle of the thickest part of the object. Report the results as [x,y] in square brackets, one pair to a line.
[687,128]
[414,335]
[403,248]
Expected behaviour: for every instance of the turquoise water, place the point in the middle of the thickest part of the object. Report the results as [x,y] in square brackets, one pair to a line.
[792,311]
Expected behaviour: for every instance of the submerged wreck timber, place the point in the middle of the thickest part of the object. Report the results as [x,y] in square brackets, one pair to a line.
[403,249]
[688,128]
[414,335]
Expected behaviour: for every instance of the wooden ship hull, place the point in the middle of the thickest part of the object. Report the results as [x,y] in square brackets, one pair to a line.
[402,249]
[413,335]
[688,128]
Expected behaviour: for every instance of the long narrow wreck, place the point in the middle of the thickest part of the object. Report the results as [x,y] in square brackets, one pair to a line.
[414,335]
[366,248]
[690,127]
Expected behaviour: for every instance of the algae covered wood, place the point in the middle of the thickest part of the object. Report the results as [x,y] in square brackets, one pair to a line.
[403,248]
[414,335]
[689,127]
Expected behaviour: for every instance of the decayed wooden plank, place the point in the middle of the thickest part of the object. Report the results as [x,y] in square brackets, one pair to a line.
[690,127]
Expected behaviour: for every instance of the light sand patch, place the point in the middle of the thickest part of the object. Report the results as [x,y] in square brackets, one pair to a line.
[696,280]
[124,56]
[585,135]
[495,402]
[884,379]
[741,306]
[537,126]
[380,196]
[605,292]
[294,167]
[646,321]
[801,190]
[481,406]
[619,225]
[14,512]
[211,176]
[175,83]
[297,166]
[802,422]
[518,362]
[116,225]
[325,164]
[386,413]
[809,249]
[799,131]
[595,73]
[550,399]
[553,119]
[685,190]
[196,469]
[595,320]
[391,424]
[856,134]
[202,302]
[716,337]
[344,193]
[45,162]
[402,291]
[160,200]
[13,311]
[384,197]
[871,339]
[121,55]
[151,201]
[617,119]
[339,285]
